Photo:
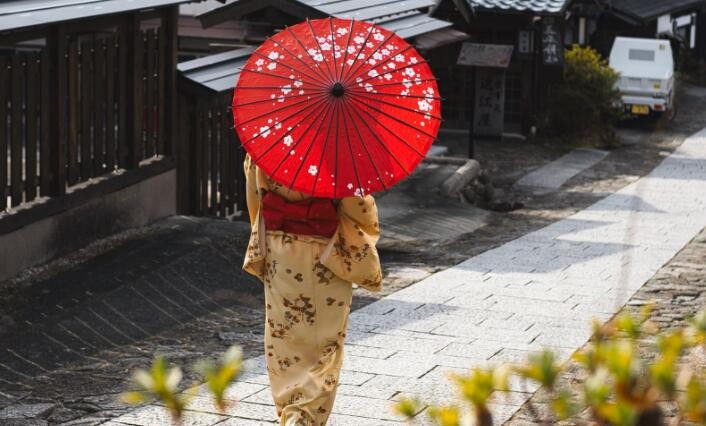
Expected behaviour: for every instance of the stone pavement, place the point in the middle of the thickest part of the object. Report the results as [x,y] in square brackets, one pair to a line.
[537,291]
[554,174]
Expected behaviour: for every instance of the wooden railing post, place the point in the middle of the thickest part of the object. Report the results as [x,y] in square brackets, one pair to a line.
[56,47]
[170,22]
[186,182]
[131,51]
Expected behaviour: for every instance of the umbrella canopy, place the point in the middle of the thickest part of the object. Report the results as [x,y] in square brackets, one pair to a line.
[336,108]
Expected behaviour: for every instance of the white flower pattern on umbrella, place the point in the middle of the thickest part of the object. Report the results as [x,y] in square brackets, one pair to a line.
[388,94]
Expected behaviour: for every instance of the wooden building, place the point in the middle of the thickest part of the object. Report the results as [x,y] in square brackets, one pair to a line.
[238,27]
[88,98]
[537,31]
[409,19]
[682,21]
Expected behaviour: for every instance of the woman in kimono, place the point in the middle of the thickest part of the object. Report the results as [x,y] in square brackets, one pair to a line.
[307,252]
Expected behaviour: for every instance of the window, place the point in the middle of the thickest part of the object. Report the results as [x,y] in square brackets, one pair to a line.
[641,55]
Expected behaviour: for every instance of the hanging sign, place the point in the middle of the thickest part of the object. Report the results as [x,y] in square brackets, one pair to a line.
[552,47]
[485,55]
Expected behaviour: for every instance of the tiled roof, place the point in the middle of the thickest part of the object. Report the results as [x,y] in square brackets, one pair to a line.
[650,9]
[407,18]
[16,14]
[538,6]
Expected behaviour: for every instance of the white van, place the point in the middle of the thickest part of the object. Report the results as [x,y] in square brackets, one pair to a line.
[646,68]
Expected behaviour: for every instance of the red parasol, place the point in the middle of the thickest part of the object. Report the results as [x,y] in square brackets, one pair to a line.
[336,108]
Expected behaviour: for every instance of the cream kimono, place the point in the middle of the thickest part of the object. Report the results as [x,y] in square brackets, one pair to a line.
[308,291]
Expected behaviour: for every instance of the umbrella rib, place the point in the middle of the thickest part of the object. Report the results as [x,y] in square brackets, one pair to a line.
[386,60]
[357,55]
[348,44]
[335,154]
[279,109]
[281,121]
[315,89]
[369,96]
[311,124]
[252,139]
[395,95]
[307,52]
[370,55]
[392,71]
[273,100]
[308,65]
[313,34]
[314,109]
[275,75]
[308,150]
[380,141]
[323,152]
[317,81]
[350,147]
[333,47]
[400,121]
[418,80]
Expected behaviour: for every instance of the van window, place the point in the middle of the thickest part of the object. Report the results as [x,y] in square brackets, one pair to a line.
[641,55]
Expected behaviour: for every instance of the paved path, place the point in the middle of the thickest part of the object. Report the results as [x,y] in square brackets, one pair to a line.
[538,291]
[556,173]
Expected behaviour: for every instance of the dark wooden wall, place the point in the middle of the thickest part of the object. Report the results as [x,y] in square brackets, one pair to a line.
[94,98]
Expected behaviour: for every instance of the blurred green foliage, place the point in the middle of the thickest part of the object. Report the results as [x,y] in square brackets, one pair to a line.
[622,386]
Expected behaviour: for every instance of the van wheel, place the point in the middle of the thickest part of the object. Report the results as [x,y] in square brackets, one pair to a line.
[672,111]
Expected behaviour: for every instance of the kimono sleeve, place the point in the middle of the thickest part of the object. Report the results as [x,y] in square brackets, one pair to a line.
[351,254]
[254,256]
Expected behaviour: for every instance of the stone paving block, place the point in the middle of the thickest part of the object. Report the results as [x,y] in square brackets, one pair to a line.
[536,292]
[424,337]
[474,351]
[540,320]
[527,306]
[385,306]
[509,398]
[152,415]
[473,331]
[562,337]
[235,392]
[403,343]
[259,378]
[471,300]
[366,391]
[514,323]
[238,421]
[243,409]
[264,397]
[343,420]
[401,321]
[355,378]
[368,351]
[409,365]
[365,407]
[425,387]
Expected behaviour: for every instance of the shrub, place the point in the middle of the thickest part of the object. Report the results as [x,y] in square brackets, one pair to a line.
[622,387]
[586,103]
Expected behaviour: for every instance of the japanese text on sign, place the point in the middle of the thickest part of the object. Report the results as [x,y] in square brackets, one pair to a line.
[552,48]
[490,102]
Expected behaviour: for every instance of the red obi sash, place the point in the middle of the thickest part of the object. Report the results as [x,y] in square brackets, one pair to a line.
[313,216]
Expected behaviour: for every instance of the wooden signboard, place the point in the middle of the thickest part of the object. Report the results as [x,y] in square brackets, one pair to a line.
[489,111]
[485,55]
[552,46]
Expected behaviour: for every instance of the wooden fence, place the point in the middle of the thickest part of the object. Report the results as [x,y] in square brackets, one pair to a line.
[111,104]
[212,159]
